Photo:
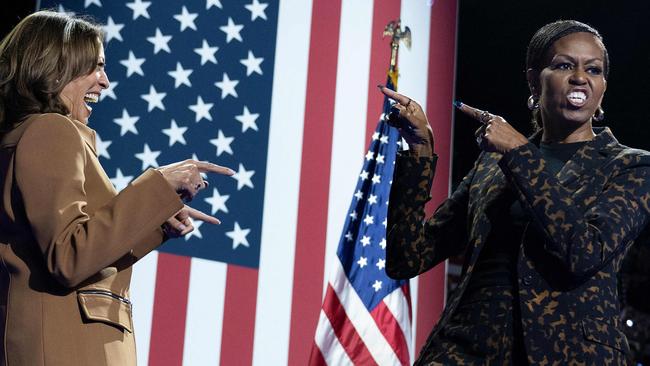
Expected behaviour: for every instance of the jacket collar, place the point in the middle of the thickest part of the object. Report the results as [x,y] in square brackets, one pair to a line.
[592,155]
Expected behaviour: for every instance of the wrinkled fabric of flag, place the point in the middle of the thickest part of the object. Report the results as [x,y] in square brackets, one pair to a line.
[362,248]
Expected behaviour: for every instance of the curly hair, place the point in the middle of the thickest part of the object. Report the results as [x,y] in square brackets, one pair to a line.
[42,54]
[544,38]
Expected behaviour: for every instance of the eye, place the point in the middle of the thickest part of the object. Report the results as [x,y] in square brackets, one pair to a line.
[594,70]
[563,66]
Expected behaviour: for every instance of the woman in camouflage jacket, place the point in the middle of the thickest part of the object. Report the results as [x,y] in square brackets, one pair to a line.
[543,223]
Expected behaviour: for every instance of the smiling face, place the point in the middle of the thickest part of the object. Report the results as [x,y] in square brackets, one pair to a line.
[85,89]
[572,84]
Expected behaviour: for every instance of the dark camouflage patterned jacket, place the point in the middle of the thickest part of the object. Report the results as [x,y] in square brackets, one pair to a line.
[584,220]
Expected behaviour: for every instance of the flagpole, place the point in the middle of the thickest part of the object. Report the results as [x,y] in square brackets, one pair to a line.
[394,30]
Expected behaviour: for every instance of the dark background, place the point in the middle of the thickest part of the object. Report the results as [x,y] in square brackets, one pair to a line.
[11,15]
[492,41]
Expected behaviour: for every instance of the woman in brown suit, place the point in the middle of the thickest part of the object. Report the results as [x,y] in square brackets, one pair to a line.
[67,238]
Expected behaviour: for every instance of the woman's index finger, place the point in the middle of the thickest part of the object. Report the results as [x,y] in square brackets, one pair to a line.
[206,166]
[399,98]
[472,112]
[198,215]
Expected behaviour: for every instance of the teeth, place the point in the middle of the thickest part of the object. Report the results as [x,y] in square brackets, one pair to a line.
[578,97]
[91,98]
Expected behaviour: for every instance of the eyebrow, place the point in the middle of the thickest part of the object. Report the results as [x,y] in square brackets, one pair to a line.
[573,59]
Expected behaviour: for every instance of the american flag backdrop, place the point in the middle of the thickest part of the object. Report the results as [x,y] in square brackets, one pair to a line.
[283,92]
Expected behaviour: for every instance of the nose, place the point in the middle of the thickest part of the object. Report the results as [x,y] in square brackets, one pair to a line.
[103,79]
[578,77]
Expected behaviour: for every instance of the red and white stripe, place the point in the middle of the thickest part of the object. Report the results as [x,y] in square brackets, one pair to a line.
[345,327]
[329,57]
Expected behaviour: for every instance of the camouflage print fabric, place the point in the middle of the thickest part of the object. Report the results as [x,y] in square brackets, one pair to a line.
[479,332]
[583,221]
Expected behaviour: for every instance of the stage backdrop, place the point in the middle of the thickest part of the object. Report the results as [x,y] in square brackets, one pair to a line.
[285,94]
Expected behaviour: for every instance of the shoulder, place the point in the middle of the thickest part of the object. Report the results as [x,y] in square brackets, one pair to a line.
[620,152]
[52,127]
[56,120]
[631,156]
[46,136]
[631,151]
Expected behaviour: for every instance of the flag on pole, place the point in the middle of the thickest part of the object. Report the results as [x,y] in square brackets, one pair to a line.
[279,91]
[366,316]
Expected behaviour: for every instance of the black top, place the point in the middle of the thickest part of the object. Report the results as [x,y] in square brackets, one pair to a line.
[556,155]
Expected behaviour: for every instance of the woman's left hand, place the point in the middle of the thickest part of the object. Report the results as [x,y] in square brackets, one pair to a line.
[408,117]
[495,133]
[181,223]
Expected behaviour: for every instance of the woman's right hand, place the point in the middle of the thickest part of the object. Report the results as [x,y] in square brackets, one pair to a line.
[409,118]
[185,176]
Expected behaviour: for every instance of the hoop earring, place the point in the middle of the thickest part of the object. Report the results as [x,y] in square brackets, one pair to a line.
[532,103]
[599,115]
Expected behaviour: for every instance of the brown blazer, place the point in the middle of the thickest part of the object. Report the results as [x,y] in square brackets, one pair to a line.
[67,244]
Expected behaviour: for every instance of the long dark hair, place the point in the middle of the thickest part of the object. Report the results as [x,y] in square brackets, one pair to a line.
[42,54]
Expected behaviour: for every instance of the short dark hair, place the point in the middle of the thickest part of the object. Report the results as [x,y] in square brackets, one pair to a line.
[41,55]
[544,38]
[548,34]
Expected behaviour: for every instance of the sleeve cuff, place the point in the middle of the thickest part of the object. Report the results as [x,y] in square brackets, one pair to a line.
[413,177]
[515,159]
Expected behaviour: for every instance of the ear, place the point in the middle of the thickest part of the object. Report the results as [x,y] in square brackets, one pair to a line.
[532,76]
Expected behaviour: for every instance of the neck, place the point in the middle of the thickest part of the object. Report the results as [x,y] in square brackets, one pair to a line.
[565,133]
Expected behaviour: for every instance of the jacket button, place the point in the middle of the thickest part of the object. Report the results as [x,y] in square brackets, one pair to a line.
[528,280]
